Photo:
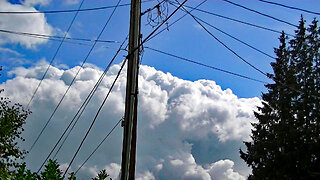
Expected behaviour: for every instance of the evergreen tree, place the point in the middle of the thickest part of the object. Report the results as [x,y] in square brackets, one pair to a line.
[52,171]
[285,140]
[102,175]
[314,53]
[23,174]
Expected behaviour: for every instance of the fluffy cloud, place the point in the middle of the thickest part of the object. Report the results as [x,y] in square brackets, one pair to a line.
[34,23]
[223,169]
[173,115]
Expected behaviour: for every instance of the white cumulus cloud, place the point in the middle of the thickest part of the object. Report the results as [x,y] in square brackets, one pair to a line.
[173,114]
[32,23]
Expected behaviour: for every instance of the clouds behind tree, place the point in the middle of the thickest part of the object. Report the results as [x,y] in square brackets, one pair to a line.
[173,114]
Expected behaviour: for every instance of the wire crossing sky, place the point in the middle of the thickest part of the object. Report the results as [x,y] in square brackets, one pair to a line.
[191,79]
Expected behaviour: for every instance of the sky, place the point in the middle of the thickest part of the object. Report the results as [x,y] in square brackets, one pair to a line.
[192,119]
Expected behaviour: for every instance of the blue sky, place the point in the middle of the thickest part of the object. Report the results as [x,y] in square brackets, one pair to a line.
[185,38]
[167,107]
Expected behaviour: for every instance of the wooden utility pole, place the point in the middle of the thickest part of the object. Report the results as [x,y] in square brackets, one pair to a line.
[130,116]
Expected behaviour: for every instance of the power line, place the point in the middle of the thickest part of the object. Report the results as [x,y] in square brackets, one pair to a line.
[236,54]
[84,61]
[51,39]
[54,56]
[105,25]
[152,33]
[55,37]
[66,41]
[137,48]
[237,39]
[260,13]
[67,11]
[82,108]
[61,11]
[205,65]
[235,20]
[87,97]
[222,43]
[95,118]
[166,28]
[290,7]
[100,77]
[104,139]
[150,9]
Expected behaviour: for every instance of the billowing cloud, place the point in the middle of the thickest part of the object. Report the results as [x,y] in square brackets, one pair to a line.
[32,23]
[223,169]
[174,114]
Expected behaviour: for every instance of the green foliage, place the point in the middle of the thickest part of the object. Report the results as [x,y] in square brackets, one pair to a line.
[52,171]
[285,141]
[12,117]
[23,174]
[102,175]
[72,176]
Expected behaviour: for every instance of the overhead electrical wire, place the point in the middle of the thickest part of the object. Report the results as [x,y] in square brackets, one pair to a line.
[150,9]
[68,10]
[103,140]
[260,13]
[57,40]
[241,58]
[86,104]
[84,61]
[205,65]
[61,11]
[222,43]
[235,38]
[181,58]
[54,37]
[290,7]
[54,56]
[130,53]
[166,28]
[234,20]
[82,108]
[152,33]
[65,41]
[95,118]
[78,114]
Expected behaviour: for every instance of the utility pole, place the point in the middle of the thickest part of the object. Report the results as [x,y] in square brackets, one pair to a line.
[130,115]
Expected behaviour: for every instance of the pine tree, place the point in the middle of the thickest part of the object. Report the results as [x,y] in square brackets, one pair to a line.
[23,174]
[285,140]
[52,171]
[314,52]
[271,134]
[103,175]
